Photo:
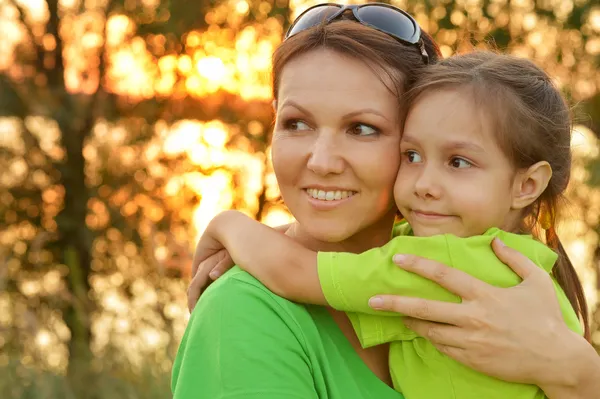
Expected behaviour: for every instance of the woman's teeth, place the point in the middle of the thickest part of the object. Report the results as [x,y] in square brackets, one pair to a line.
[329,195]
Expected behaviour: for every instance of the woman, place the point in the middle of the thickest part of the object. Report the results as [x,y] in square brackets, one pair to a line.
[337,88]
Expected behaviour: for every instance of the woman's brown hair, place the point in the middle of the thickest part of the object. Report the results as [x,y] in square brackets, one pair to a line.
[532,123]
[378,50]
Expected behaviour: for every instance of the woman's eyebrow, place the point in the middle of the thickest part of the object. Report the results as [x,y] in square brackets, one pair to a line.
[365,111]
[293,104]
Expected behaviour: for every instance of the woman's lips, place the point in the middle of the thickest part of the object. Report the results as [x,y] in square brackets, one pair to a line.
[328,199]
[329,194]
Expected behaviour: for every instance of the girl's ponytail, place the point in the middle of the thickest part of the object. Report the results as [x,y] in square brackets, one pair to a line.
[564,272]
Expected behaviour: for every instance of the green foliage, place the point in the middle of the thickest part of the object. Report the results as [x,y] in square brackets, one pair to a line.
[32,382]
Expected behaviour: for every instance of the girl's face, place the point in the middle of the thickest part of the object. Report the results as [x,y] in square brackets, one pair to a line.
[336,148]
[453,178]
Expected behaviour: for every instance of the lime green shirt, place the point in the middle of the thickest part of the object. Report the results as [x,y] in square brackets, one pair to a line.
[243,341]
[418,369]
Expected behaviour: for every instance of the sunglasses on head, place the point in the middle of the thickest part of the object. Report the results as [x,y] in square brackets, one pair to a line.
[382,17]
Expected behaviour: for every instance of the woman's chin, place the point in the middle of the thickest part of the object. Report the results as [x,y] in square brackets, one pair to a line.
[329,232]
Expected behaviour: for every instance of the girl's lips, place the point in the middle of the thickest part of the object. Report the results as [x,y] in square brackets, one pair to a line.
[429,215]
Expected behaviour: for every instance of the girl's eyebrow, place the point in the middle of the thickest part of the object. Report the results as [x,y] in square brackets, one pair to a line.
[463,145]
[450,145]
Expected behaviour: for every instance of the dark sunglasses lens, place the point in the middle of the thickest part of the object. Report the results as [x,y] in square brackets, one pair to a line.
[390,21]
[312,17]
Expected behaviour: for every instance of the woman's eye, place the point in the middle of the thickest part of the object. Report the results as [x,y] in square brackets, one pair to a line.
[413,157]
[460,163]
[360,129]
[296,125]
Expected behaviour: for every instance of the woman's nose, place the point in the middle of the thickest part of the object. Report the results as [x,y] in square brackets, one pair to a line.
[325,156]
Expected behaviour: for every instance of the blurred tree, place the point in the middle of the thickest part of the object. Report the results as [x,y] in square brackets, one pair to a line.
[65,190]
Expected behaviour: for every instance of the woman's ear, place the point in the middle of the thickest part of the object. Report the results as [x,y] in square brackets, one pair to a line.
[274,106]
[530,183]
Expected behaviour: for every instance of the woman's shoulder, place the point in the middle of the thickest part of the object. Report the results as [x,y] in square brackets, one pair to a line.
[239,335]
[240,328]
[236,278]
[238,281]
[241,292]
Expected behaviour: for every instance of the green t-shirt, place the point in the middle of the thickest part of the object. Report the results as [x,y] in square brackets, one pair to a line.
[418,369]
[243,341]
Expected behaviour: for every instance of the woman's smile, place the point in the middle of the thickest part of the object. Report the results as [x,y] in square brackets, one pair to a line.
[324,200]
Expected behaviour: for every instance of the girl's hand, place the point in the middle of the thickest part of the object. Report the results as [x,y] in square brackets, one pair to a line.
[515,334]
[207,270]
[210,261]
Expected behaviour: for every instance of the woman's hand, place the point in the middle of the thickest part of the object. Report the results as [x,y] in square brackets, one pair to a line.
[515,334]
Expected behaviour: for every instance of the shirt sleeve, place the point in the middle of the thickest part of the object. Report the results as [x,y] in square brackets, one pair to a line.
[240,343]
[349,280]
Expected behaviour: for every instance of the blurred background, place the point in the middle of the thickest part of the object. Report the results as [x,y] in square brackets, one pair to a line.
[126,125]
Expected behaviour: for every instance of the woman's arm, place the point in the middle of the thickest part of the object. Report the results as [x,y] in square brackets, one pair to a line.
[240,344]
[578,376]
[516,334]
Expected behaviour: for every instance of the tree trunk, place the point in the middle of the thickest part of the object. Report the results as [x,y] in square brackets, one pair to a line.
[76,249]
[74,235]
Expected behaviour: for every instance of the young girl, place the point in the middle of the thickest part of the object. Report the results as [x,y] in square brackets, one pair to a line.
[492,162]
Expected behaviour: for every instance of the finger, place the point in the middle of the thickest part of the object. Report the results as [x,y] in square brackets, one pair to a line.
[196,260]
[222,266]
[454,280]
[424,309]
[437,333]
[458,354]
[194,290]
[200,281]
[518,262]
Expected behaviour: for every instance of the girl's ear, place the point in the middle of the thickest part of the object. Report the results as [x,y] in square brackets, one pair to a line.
[530,183]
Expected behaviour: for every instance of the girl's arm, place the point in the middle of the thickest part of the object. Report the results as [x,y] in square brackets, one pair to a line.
[285,267]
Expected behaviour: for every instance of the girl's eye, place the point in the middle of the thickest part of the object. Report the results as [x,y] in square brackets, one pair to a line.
[296,125]
[413,156]
[360,129]
[460,163]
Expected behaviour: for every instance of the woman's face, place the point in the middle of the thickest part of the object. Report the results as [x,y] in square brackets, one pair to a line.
[336,147]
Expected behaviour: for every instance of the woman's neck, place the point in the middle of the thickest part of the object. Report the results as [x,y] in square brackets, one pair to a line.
[374,236]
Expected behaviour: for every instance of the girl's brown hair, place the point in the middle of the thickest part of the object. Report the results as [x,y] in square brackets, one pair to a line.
[532,124]
[378,50]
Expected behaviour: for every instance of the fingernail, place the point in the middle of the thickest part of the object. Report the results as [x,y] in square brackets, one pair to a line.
[376,302]
[500,242]
[214,274]
[399,259]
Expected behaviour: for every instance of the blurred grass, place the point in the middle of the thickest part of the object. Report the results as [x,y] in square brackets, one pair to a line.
[19,381]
